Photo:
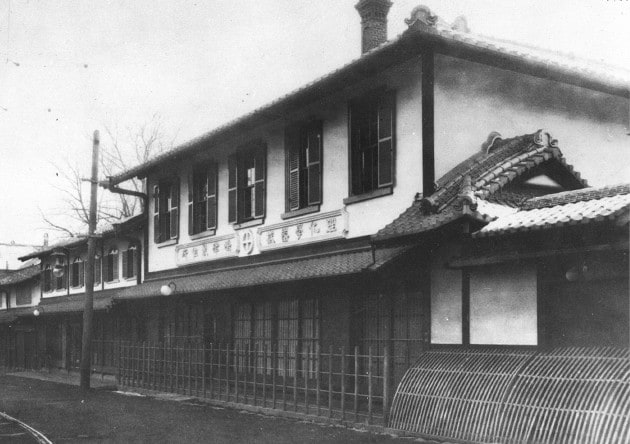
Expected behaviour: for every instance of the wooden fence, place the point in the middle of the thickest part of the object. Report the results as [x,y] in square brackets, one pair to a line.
[340,384]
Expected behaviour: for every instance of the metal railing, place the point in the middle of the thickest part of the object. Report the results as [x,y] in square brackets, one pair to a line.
[339,384]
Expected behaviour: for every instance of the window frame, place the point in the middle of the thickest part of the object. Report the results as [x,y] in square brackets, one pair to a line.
[111,268]
[130,262]
[303,144]
[47,279]
[166,210]
[61,282]
[23,291]
[240,191]
[367,112]
[208,199]
[79,264]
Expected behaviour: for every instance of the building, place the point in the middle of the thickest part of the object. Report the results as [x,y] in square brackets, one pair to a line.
[381,213]
[60,297]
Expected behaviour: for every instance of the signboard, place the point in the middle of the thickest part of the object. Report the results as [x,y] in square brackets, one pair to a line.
[207,250]
[304,230]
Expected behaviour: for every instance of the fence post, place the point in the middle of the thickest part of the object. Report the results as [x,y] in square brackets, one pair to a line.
[343,382]
[236,357]
[369,420]
[305,371]
[386,385]
[318,366]
[330,380]
[356,383]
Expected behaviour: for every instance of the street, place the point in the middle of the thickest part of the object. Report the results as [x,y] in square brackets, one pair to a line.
[64,414]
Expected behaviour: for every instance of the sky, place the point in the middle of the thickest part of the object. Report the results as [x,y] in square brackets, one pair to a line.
[69,67]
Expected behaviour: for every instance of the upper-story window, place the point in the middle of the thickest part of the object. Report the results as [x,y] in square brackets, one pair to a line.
[372,123]
[130,262]
[110,266]
[97,269]
[165,210]
[3,299]
[202,199]
[48,278]
[303,145]
[76,273]
[246,184]
[61,281]
[23,295]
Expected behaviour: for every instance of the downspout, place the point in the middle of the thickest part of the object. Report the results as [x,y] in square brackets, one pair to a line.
[427,58]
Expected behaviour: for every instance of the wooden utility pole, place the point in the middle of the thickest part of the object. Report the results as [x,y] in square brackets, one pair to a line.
[89,278]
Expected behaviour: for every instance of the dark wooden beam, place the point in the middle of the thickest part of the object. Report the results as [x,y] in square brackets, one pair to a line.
[428,121]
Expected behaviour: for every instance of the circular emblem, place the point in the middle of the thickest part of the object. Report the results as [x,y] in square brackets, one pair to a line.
[247,241]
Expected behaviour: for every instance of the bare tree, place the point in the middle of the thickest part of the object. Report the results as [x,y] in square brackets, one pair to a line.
[120,150]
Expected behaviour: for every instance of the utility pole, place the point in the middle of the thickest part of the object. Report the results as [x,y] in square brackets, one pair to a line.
[89,278]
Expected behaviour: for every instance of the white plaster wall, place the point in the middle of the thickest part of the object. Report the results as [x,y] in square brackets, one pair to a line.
[446,297]
[471,100]
[33,287]
[503,305]
[366,217]
[121,245]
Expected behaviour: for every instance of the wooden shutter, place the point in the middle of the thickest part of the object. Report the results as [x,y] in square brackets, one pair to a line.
[191,203]
[314,140]
[356,170]
[106,268]
[386,140]
[125,264]
[114,265]
[211,200]
[232,189]
[156,216]
[292,148]
[260,156]
[134,261]
[81,273]
[174,209]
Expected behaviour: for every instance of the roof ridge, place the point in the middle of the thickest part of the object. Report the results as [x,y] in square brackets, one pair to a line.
[574,196]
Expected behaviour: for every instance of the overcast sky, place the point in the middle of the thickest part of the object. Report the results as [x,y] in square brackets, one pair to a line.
[70,67]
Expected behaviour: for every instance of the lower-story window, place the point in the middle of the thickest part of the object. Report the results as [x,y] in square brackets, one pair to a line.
[287,327]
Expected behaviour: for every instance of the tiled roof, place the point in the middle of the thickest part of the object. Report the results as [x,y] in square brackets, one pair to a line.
[403,47]
[110,230]
[75,302]
[20,275]
[326,265]
[465,188]
[567,208]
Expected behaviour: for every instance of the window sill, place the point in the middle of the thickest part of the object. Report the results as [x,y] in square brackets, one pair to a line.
[112,282]
[131,278]
[167,243]
[249,223]
[385,191]
[203,234]
[300,212]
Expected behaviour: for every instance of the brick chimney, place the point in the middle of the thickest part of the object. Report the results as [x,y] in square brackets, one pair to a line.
[373,22]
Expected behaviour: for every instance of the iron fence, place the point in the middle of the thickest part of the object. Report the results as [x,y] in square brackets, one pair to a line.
[336,383]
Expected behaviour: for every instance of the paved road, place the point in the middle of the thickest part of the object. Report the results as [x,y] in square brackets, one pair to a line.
[64,414]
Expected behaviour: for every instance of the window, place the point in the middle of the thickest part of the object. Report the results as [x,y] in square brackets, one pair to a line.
[76,273]
[165,211]
[372,144]
[61,281]
[202,199]
[23,295]
[3,300]
[246,184]
[97,269]
[110,266]
[303,145]
[130,262]
[47,278]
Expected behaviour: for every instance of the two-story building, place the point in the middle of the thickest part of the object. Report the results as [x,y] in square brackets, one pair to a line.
[262,229]
[61,289]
